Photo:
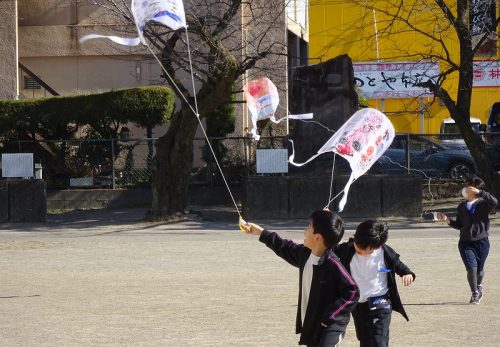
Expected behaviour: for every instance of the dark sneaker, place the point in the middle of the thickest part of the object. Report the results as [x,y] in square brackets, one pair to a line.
[474,299]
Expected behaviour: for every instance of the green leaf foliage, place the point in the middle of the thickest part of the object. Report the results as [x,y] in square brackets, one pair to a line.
[58,117]
[221,121]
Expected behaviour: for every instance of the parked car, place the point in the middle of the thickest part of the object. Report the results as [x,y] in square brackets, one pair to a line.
[427,157]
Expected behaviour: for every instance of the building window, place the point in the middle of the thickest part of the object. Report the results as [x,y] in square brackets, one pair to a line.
[30,83]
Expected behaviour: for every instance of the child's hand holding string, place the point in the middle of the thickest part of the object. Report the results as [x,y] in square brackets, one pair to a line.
[250,228]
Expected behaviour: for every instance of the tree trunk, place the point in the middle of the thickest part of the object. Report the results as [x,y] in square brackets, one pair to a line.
[461,112]
[486,171]
[172,166]
[480,152]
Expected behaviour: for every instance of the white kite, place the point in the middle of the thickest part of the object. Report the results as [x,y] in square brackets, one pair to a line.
[262,101]
[361,141]
[167,12]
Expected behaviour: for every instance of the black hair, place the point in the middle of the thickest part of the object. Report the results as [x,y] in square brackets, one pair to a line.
[371,233]
[475,182]
[329,225]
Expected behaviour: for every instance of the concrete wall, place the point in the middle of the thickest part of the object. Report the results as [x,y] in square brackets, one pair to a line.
[365,197]
[266,197]
[81,74]
[23,201]
[102,198]
[54,12]
[4,202]
[272,196]
[8,50]
[296,197]
[97,198]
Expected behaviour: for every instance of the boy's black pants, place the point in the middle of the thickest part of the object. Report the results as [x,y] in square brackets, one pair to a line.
[372,320]
[331,336]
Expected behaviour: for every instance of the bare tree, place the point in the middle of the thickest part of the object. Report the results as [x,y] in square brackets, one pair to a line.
[227,39]
[440,28]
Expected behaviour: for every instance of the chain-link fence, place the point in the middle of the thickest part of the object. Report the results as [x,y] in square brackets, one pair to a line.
[128,163]
[102,163]
[435,156]
[235,155]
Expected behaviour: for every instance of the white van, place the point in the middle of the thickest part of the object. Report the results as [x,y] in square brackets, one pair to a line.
[448,126]
[452,136]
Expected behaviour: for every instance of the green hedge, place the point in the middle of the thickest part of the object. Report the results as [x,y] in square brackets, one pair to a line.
[52,117]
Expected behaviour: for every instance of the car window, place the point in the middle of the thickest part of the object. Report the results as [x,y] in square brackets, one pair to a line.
[416,145]
[398,143]
[450,128]
[421,144]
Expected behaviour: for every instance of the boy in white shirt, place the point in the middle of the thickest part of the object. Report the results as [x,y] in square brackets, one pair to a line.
[373,265]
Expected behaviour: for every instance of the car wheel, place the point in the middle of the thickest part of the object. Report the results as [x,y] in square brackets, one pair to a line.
[460,170]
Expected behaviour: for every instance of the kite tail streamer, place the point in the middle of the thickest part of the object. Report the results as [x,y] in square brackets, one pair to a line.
[132,41]
[292,116]
[302,116]
[343,201]
[291,159]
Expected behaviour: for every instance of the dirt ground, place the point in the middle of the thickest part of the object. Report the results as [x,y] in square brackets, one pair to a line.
[104,278]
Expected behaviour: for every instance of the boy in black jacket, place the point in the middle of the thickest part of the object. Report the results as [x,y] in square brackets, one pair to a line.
[373,265]
[327,293]
[474,224]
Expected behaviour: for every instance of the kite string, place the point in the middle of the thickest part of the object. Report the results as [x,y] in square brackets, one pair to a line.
[335,197]
[197,116]
[171,79]
[331,181]
[192,75]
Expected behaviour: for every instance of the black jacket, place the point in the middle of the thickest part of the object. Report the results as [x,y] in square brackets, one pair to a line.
[474,224]
[333,295]
[346,251]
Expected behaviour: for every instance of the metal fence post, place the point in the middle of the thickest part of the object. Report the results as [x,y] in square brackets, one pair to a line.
[407,152]
[211,163]
[246,144]
[113,164]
